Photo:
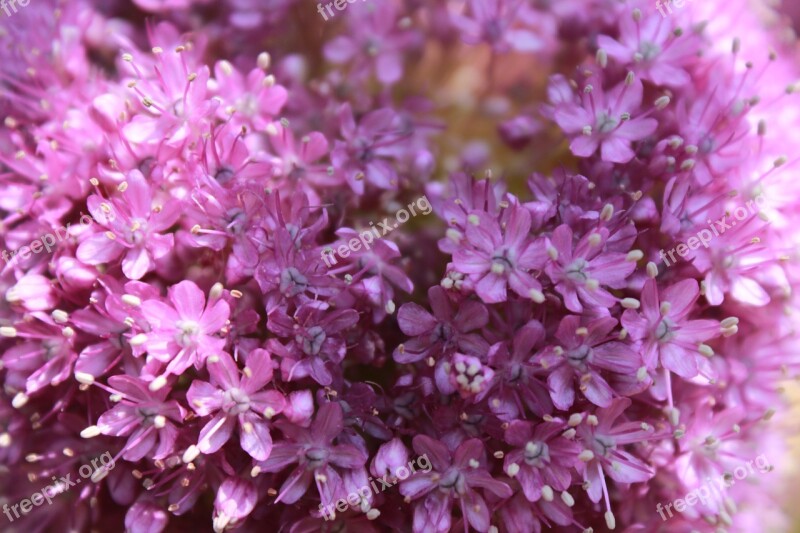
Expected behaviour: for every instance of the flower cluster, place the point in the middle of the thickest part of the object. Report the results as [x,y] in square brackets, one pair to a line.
[527,342]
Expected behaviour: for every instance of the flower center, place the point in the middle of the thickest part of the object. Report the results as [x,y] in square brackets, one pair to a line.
[707,144]
[649,50]
[312,340]
[187,331]
[443,332]
[665,330]
[316,457]
[575,271]
[136,233]
[452,480]
[514,373]
[147,415]
[292,282]
[224,175]
[501,263]
[537,453]
[236,220]
[236,401]
[606,123]
[603,444]
[578,356]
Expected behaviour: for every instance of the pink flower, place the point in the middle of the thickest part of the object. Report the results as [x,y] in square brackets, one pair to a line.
[602,435]
[135,229]
[662,325]
[658,55]
[609,121]
[454,479]
[147,418]
[584,352]
[498,257]
[492,21]
[318,458]
[541,457]
[232,398]
[581,270]
[184,332]
[446,330]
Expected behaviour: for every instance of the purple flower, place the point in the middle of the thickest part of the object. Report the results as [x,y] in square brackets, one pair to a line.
[317,458]
[491,22]
[236,499]
[667,335]
[135,229]
[518,379]
[368,148]
[374,43]
[184,332]
[542,460]
[297,161]
[608,121]
[44,358]
[581,270]
[497,257]
[315,340]
[584,352]
[603,438]
[146,417]
[455,478]
[448,329]
[232,398]
[658,55]
[253,100]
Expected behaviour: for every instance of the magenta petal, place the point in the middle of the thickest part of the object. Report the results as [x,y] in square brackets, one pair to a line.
[159,314]
[471,261]
[678,360]
[597,391]
[254,436]
[136,263]
[145,517]
[281,456]
[561,391]
[583,146]
[98,249]
[415,320]
[492,288]
[204,398]
[188,300]
[215,316]
[295,486]
[347,456]
[436,452]
[475,509]
[615,150]
[224,371]
[433,514]
[216,433]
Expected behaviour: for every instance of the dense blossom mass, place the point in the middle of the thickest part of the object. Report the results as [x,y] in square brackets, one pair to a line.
[594,319]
